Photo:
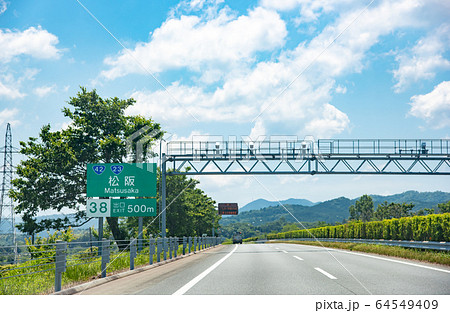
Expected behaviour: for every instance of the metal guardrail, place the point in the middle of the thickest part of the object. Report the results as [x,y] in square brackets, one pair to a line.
[56,258]
[430,245]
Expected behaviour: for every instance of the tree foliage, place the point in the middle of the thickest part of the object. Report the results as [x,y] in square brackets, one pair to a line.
[362,209]
[53,176]
[444,207]
[393,210]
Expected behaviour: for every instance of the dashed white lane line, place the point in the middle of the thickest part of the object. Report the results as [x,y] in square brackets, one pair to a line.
[298,258]
[277,248]
[284,251]
[325,273]
[194,281]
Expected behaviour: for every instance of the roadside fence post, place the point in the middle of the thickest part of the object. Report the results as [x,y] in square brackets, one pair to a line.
[195,243]
[105,255]
[60,263]
[175,250]
[184,245]
[165,240]
[189,244]
[158,250]
[133,253]
[170,247]
[151,249]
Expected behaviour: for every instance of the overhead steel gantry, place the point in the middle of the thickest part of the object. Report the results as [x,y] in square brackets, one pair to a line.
[350,156]
[280,157]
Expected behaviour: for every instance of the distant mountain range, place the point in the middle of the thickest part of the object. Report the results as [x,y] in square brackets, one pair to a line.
[262,211]
[5,227]
[262,203]
[331,211]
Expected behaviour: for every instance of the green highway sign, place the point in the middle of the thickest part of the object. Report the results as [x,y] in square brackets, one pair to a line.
[120,207]
[121,180]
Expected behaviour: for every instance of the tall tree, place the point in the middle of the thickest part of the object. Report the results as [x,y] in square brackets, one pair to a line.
[363,209]
[393,210]
[444,207]
[54,174]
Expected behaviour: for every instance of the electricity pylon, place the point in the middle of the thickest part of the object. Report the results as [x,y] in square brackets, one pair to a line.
[7,223]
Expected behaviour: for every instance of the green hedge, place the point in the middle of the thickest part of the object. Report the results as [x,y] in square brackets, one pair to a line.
[434,227]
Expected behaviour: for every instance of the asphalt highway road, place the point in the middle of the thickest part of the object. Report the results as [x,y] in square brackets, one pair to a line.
[283,269]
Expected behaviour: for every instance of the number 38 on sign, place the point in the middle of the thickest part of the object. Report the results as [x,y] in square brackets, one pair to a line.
[120,207]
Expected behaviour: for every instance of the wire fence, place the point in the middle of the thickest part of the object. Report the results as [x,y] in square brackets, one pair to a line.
[44,269]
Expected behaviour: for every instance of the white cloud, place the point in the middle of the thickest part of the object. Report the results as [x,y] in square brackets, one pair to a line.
[10,86]
[10,91]
[341,47]
[36,42]
[294,88]
[190,42]
[44,90]
[331,121]
[424,59]
[309,10]
[8,116]
[258,130]
[341,89]
[3,6]
[433,107]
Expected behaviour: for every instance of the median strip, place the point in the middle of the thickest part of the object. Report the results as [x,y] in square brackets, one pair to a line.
[325,273]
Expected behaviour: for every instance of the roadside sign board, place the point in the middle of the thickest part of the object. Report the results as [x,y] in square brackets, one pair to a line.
[121,180]
[120,207]
[228,209]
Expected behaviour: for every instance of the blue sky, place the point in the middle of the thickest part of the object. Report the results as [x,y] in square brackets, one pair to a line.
[355,69]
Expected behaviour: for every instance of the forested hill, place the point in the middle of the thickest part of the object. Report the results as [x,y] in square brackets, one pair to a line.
[335,210]
[263,203]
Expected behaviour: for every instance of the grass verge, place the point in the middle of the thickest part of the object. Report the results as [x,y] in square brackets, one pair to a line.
[436,257]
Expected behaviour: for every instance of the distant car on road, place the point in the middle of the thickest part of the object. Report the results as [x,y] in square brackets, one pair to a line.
[237,237]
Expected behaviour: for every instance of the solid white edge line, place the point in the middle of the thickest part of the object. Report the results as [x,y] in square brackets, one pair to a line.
[386,259]
[194,281]
[298,258]
[325,273]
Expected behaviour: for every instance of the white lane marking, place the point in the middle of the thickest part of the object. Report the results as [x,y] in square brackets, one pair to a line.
[396,261]
[298,258]
[284,251]
[381,258]
[325,273]
[194,281]
[277,248]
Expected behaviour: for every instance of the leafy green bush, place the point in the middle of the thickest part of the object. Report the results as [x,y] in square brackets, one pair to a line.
[433,227]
